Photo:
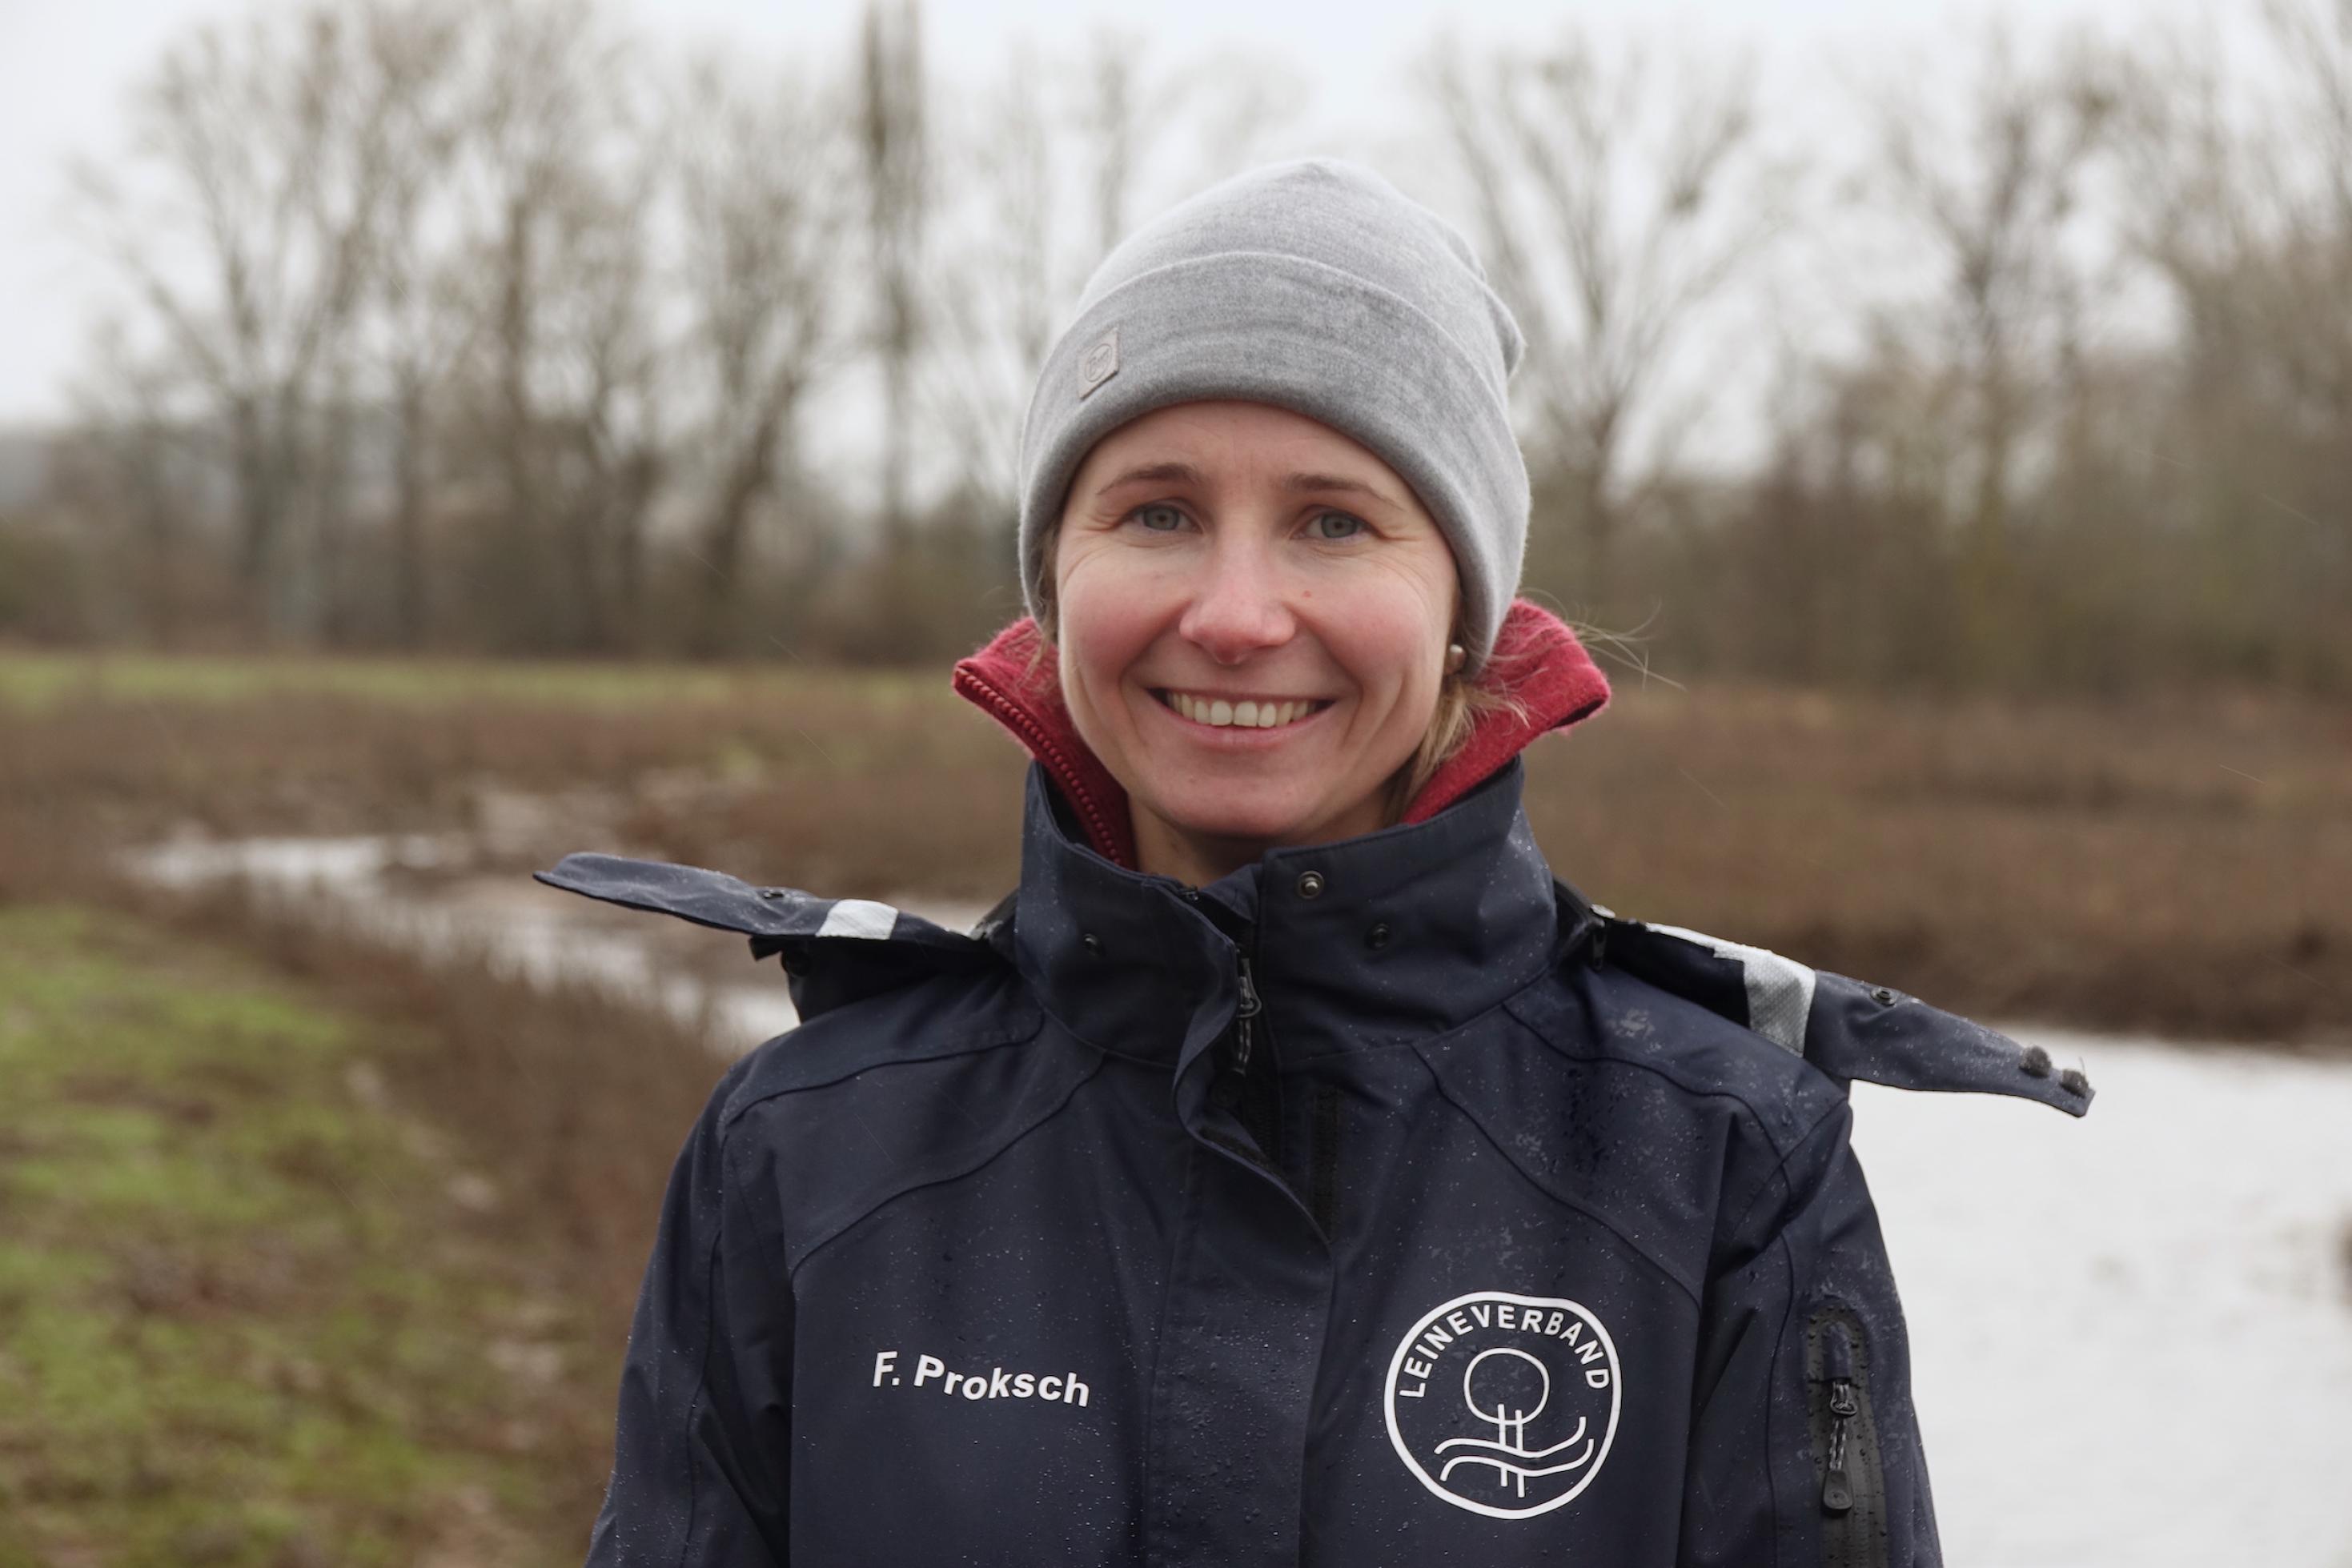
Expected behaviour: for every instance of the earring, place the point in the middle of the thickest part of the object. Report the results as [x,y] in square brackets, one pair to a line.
[1455,656]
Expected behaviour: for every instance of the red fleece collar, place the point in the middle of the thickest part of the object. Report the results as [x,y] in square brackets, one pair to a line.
[1536,655]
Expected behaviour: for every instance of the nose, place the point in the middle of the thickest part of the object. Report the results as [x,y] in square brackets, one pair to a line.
[1237,607]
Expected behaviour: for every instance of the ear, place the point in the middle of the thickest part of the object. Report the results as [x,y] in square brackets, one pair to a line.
[1049,617]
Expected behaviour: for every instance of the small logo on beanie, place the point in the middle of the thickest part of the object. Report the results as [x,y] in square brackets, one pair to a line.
[1100,364]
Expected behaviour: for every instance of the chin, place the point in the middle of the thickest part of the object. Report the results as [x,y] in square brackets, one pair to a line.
[1267,822]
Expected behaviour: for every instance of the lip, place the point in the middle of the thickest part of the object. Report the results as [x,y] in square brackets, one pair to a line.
[1233,737]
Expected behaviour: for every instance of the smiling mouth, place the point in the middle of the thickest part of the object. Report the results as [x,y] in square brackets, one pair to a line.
[1221,713]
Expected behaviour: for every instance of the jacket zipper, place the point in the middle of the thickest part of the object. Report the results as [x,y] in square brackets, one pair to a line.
[1249,1008]
[1845,1441]
[1250,1005]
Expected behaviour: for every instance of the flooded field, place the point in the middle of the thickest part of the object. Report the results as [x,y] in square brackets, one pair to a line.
[418,890]
[2131,1335]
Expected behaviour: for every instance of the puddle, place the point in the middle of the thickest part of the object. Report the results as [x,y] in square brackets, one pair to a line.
[2131,1335]
[418,892]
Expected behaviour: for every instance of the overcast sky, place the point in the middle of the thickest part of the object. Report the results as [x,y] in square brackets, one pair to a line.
[64,69]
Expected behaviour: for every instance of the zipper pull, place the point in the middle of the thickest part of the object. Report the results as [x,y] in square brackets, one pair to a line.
[1837,1491]
[1250,1008]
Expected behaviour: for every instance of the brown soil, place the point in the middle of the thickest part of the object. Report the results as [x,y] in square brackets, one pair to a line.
[2182,867]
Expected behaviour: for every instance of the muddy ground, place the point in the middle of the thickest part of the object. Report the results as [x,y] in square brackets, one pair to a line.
[2180,866]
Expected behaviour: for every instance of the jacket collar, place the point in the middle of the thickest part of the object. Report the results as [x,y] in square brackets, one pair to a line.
[1537,662]
[1408,931]
[1366,942]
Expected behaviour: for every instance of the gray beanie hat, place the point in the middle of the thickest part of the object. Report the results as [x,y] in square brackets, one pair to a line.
[1317,286]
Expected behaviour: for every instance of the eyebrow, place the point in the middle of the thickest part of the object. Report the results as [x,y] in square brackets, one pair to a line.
[1179,473]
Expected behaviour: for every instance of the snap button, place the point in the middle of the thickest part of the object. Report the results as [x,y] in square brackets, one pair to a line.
[773,892]
[1310,884]
[1882,996]
[1093,945]
[1377,937]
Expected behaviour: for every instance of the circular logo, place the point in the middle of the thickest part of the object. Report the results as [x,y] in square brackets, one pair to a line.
[1099,362]
[1505,1405]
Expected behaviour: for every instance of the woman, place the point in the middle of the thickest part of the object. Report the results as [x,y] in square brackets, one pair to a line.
[1292,1170]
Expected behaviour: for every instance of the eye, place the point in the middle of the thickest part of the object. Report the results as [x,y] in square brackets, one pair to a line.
[1157,517]
[1336,526]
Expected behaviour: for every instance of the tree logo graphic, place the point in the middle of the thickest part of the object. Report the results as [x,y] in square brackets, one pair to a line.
[1505,1405]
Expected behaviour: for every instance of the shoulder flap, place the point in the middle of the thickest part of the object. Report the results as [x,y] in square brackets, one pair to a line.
[835,949]
[1846,1028]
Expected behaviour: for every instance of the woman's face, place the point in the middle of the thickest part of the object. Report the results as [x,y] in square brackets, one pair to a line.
[1253,615]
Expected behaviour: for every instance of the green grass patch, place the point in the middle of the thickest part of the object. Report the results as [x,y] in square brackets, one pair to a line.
[243,1318]
[36,682]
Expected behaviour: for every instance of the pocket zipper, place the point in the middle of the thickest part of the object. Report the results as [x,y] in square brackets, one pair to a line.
[1837,1490]
[1845,1441]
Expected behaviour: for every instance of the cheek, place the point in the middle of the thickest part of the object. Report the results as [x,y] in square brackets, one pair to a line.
[1389,631]
[1395,674]
[1107,614]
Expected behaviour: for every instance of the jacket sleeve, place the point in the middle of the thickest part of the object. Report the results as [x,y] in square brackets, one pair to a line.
[702,1438]
[1804,1445]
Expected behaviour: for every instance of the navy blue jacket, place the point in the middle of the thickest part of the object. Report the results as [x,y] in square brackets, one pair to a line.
[1382,1203]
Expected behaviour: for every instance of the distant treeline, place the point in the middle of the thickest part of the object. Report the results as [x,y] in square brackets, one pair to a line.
[493,327]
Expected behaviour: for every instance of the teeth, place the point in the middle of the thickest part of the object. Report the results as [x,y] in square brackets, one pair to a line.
[1249,714]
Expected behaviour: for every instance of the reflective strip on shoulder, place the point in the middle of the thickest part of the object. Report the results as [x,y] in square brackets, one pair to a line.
[1780,990]
[860,918]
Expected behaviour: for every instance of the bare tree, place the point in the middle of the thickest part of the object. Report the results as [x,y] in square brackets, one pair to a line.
[244,228]
[1037,198]
[2314,40]
[1059,157]
[1226,107]
[566,413]
[415,325]
[761,174]
[1995,192]
[614,448]
[2241,202]
[128,477]
[1615,198]
[1114,120]
[895,151]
